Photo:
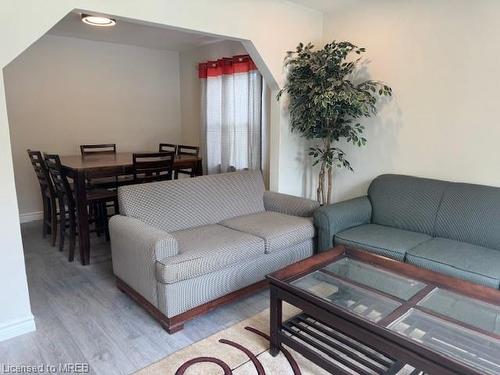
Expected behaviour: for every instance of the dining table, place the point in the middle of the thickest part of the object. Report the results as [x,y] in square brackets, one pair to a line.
[80,169]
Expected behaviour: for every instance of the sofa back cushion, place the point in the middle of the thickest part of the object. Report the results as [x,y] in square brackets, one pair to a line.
[191,202]
[406,202]
[470,213]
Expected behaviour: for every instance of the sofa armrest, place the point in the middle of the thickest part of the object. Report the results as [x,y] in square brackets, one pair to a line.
[332,219]
[289,204]
[135,248]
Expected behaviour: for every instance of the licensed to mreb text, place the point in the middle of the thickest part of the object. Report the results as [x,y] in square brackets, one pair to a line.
[60,368]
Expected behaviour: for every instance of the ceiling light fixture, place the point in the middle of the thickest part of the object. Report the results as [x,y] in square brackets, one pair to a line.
[98,20]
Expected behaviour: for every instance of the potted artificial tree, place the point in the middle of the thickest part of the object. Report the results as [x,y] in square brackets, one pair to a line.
[325,103]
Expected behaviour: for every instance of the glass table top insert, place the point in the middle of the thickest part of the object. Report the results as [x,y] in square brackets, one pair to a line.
[388,282]
[359,301]
[471,347]
[444,321]
[479,314]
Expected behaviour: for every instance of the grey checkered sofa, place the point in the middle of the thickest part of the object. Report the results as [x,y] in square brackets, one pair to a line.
[178,245]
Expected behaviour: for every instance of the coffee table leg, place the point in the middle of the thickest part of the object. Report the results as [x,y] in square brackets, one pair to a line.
[276,317]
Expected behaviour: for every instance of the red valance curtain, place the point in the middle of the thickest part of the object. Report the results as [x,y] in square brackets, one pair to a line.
[226,65]
[231,107]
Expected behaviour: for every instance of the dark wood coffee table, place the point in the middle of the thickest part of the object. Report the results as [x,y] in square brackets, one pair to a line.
[367,314]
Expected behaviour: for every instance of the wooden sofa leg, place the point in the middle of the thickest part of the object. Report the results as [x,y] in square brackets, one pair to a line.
[165,322]
[175,328]
[176,323]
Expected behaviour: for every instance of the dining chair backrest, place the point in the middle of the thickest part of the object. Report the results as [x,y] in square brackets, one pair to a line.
[61,184]
[188,150]
[99,149]
[41,171]
[152,166]
[168,147]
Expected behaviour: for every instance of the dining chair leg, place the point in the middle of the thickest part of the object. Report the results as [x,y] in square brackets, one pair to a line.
[62,223]
[53,221]
[81,249]
[117,207]
[176,175]
[106,223]
[46,219]
[100,214]
[96,217]
[104,216]
[72,235]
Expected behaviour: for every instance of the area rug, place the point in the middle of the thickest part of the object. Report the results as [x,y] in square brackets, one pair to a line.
[241,349]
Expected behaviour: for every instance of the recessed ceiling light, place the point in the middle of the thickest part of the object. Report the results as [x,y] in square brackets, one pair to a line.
[98,20]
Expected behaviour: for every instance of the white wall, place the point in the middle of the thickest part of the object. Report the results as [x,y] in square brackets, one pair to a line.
[63,92]
[271,26]
[15,313]
[442,58]
[191,87]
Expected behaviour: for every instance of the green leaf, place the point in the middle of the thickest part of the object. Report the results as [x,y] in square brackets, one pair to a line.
[325,100]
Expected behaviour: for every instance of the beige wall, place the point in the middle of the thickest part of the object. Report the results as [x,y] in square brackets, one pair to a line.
[270,26]
[63,92]
[442,58]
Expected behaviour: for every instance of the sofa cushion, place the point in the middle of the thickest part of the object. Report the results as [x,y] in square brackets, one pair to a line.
[470,262]
[406,202]
[192,202]
[386,241]
[207,249]
[470,213]
[277,230]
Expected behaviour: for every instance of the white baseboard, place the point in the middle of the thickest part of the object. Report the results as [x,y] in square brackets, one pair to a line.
[31,216]
[17,327]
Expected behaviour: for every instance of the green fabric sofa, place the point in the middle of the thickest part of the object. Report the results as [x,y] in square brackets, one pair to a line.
[452,228]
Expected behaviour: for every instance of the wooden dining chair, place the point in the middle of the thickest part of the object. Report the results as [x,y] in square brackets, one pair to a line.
[168,147]
[49,197]
[96,199]
[90,150]
[65,199]
[152,166]
[98,149]
[190,151]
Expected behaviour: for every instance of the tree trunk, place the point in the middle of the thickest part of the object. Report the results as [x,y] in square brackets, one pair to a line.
[323,193]
[325,177]
[321,185]
[318,189]
[328,169]
[330,185]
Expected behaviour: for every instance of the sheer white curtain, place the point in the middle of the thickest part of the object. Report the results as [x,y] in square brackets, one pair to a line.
[231,104]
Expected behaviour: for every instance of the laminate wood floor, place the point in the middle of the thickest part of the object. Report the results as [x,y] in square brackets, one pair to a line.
[82,317]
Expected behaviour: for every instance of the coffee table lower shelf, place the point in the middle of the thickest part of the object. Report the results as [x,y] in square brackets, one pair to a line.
[335,351]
